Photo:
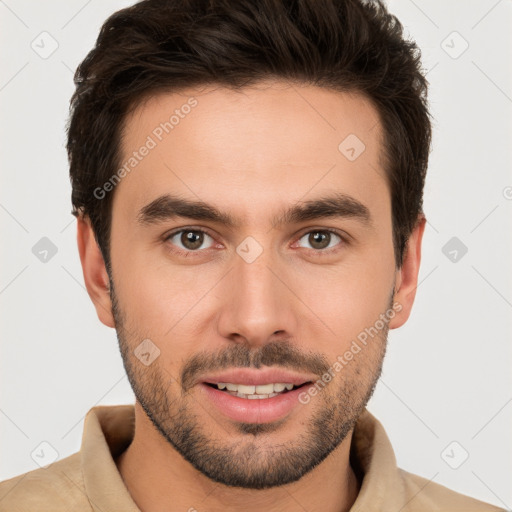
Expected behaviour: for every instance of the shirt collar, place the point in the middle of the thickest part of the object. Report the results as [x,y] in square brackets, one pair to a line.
[382,487]
[108,430]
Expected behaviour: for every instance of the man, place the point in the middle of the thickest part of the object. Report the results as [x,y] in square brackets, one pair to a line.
[247,178]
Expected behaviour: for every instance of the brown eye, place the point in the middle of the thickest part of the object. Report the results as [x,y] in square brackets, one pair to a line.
[189,239]
[321,239]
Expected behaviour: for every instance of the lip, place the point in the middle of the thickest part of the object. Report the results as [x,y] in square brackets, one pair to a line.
[256,377]
[264,410]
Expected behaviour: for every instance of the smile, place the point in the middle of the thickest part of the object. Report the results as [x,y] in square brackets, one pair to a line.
[253,392]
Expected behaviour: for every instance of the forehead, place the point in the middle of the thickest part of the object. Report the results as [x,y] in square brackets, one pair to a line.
[252,148]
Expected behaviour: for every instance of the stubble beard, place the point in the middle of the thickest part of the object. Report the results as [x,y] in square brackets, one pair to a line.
[252,461]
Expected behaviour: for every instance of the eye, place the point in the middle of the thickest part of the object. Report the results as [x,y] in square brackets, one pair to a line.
[322,239]
[189,240]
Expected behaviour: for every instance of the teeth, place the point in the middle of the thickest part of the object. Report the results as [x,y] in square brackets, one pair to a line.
[256,397]
[263,389]
[260,391]
[251,397]
[246,390]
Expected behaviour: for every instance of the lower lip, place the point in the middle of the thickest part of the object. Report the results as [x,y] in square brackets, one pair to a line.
[260,410]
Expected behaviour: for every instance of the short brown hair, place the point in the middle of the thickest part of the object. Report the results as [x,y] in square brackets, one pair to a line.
[169,45]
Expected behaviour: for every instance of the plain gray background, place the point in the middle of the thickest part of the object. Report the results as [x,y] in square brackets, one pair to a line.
[446,388]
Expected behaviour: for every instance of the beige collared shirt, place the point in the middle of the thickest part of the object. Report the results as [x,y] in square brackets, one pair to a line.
[90,481]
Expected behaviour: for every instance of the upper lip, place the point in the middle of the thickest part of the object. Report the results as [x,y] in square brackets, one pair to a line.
[249,376]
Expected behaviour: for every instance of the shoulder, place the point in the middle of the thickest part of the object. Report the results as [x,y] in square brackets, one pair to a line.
[427,495]
[57,487]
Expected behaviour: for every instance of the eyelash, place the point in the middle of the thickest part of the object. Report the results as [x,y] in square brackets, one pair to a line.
[318,252]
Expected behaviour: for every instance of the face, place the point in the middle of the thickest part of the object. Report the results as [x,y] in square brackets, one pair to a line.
[272,280]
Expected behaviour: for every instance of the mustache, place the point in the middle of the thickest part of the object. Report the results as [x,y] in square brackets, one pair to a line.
[276,353]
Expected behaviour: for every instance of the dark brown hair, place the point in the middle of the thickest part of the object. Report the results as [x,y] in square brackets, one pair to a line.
[169,45]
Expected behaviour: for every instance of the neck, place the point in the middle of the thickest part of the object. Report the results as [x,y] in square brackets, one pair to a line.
[159,479]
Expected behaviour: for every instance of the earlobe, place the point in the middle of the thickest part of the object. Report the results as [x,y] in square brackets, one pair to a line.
[406,280]
[94,271]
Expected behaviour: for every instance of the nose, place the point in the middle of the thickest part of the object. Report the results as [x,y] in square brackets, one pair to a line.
[258,304]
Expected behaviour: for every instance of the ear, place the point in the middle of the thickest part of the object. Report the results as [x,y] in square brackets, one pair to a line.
[95,272]
[406,280]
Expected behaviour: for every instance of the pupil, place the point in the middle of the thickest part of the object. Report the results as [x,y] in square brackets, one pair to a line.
[320,244]
[192,239]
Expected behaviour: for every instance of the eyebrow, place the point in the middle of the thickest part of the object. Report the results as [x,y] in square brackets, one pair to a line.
[168,207]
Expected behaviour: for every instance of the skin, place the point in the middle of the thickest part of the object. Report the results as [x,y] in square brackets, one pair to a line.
[250,153]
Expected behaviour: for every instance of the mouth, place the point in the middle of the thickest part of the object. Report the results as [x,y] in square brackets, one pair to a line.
[254,396]
[256,392]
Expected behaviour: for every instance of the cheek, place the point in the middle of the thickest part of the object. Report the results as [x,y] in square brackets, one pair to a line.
[158,298]
[349,301]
